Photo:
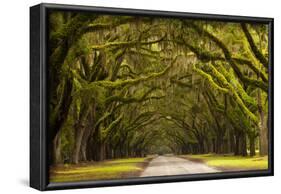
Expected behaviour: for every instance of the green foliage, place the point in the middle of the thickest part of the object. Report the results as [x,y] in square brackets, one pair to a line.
[123,83]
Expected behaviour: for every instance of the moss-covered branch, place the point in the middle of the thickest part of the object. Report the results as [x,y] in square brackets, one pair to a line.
[131,71]
[127,100]
[94,26]
[253,46]
[258,72]
[228,57]
[238,93]
[121,83]
[208,56]
[105,131]
[181,83]
[126,44]
[235,86]
[210,79]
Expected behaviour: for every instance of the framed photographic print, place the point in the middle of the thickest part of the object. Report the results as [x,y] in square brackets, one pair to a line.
[125,96]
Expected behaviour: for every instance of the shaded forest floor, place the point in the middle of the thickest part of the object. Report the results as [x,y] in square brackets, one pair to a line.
[230,162]
[110,169]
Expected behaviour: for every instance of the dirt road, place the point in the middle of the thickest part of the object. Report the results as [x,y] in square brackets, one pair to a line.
[172,165]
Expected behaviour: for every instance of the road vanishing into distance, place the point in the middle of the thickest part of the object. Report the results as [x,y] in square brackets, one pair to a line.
[172,165]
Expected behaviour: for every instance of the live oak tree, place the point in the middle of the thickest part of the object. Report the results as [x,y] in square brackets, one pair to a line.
[127,86]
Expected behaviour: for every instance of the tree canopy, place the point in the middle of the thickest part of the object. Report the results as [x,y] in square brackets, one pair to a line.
[125,86]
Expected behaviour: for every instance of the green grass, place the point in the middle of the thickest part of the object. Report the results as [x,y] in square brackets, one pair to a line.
[229,162]
[111,169]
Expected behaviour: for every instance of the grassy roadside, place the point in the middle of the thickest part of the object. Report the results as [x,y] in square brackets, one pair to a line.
[231,163]
[110,169]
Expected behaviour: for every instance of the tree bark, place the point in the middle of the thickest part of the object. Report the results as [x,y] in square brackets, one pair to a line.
[60,118]
[102,151]
[243,145]
[252,146]
[263,128]
[57,158]
[80,129]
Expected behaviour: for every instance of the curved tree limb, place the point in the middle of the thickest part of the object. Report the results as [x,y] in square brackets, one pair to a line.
[253,46]
[206,57]
[126,44]
[210,79]
[228,57]
[121,83]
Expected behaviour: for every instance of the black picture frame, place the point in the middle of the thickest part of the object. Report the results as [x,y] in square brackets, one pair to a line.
[38,97]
